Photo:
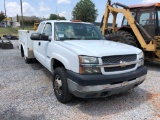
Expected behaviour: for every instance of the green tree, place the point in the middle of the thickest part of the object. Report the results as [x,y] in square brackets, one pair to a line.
[85,11]
[62,18]
[56,17]
[2,16]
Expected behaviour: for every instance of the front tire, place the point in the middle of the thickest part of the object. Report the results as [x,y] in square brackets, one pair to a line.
[60,85]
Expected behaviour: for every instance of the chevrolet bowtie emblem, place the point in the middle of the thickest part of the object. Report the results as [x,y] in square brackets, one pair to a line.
[123,64]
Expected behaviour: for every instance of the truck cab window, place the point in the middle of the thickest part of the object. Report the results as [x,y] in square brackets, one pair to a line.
[125,21]
[146,18]
[47,30]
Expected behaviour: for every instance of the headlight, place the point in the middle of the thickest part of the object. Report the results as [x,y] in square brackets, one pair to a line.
[88,60]
[141,55]
[87,65]
[141,58]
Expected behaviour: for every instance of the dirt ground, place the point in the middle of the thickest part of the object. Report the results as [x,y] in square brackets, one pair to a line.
[26,93]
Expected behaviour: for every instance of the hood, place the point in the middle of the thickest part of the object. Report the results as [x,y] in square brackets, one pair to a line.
[98,48]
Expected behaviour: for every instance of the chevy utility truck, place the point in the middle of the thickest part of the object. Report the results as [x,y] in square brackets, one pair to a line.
[83,63]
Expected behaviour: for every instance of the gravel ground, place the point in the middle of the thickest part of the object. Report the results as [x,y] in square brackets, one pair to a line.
[26,93]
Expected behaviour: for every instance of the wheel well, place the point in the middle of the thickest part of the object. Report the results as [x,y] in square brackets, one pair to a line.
[56,63]
[22,51]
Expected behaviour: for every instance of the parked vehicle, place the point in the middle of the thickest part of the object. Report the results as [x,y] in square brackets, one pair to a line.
[5,44]
[10,37]
[82,62]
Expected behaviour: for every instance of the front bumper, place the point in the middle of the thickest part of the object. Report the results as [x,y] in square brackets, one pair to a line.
[90,86]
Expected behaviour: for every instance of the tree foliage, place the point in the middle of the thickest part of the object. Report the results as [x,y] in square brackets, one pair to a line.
[85,11]
[56,17]
[2,16]
[17,18]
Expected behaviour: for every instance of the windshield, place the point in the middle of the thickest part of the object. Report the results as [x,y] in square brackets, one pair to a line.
[77,31]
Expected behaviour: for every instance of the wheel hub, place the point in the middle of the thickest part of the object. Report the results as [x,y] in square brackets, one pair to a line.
[58,85]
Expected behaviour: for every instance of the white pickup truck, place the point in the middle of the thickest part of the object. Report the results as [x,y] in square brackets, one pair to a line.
[82,62]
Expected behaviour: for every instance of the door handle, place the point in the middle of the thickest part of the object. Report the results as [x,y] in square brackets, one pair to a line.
[39,43]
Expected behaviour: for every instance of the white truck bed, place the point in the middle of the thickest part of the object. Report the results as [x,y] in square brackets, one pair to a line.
[26,43]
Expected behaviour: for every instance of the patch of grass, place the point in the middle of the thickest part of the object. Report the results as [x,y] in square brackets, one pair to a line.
[13,31]
[4,31]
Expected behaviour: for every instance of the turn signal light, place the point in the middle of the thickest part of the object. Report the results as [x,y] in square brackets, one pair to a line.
[75,20]
[157,4]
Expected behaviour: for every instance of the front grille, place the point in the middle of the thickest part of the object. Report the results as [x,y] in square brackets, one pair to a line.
[117,58]
[119,68]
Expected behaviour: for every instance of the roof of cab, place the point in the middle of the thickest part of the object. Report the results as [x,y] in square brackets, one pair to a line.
[144,5]
[53,21]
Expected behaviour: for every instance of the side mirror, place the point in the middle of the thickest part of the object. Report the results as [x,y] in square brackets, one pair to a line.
[44,37]
[38,36]
[35,36]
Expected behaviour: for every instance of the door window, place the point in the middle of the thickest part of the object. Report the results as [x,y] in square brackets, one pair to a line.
[40,28]
[147,21]
[47,30]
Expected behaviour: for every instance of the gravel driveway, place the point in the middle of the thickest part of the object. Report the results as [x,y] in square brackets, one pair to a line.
[26,93]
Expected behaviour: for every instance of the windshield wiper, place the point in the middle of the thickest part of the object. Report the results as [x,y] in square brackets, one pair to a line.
[70,38]
[80,39]
[92,38]
[67,39]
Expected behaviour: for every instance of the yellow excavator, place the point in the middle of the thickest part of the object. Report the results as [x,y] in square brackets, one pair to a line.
[36,26]
[140,27]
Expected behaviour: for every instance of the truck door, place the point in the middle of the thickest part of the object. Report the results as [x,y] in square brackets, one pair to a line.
[41,47]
